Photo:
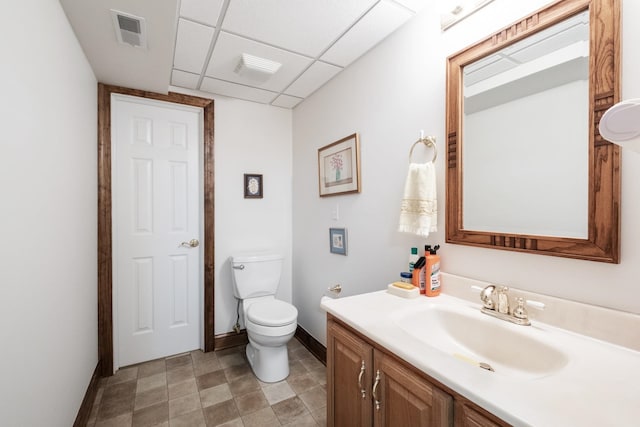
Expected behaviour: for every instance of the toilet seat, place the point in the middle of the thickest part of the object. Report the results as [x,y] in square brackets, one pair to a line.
[272,313]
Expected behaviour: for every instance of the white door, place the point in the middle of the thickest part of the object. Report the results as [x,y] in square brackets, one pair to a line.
[156,207]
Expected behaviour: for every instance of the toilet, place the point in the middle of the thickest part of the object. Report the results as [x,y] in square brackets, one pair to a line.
[270,323]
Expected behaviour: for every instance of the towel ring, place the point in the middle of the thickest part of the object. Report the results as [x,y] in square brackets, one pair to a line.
[429,141]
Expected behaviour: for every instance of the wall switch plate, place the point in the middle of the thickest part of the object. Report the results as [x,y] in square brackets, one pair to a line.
[335,213]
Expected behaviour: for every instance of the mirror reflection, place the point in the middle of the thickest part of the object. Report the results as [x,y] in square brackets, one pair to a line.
[525,122]
[526,155]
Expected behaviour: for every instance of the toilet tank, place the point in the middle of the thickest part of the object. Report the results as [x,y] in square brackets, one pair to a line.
[255,275]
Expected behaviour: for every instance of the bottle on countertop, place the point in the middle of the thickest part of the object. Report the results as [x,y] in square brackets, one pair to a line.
[432,271]
[406,277]
[413,258]
[419,278]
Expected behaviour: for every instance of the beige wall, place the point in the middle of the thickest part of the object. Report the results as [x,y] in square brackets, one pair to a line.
[387,96]
[48,306]
[250,138]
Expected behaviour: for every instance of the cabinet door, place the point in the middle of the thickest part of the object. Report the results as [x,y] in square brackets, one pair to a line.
[467,416]
[349,370]
[403,398]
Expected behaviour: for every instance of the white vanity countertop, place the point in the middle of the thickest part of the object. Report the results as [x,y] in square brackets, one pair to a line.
[599,386]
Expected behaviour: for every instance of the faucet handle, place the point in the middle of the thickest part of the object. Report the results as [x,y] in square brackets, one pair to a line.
[520,312]
[486,296]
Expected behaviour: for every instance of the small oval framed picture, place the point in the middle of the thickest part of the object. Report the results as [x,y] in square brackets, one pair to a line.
[252,186]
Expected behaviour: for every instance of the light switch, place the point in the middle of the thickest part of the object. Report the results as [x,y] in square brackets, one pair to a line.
[335,213]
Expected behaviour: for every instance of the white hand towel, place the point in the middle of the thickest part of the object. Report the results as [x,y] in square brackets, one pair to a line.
[419,209]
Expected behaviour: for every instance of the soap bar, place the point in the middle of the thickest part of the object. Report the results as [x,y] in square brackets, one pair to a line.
[394,289]
[403,285]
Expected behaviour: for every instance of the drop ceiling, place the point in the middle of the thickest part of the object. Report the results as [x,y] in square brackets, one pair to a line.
[196,45]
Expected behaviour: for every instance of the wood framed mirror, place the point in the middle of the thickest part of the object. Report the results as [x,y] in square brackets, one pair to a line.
[481,186]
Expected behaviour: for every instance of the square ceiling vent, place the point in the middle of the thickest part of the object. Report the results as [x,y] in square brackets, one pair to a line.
[130,29]
[256,68]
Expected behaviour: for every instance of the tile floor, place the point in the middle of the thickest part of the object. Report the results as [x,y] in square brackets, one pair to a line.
[212,389]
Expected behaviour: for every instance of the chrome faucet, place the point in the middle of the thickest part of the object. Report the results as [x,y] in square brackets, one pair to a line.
[501,308]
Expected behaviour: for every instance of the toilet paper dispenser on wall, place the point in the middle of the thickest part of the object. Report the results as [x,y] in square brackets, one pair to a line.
[336,289]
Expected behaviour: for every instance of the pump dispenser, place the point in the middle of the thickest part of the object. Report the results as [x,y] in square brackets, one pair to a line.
[413,258]
[419,276]
[432,271]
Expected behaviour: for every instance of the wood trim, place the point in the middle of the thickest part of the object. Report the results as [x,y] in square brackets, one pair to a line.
[221,341]
[82,418]
[603,241]
[105,301]
[105,280]
[231,339]
[209,229]
[313,345]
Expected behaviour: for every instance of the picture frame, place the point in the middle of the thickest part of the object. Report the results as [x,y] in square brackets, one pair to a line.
[252,186]
[338,241]
[339,167]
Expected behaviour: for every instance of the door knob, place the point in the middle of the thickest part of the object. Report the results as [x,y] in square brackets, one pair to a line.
[193,243]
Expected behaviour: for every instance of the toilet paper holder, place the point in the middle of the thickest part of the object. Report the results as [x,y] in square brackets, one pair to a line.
[336,289]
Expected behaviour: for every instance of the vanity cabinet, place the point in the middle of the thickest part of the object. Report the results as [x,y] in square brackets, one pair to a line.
[369,386]
[349,380]
[467,416]
[402,398]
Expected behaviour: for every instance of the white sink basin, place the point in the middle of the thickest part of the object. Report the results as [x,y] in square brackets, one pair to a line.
[465,333]
[544,375]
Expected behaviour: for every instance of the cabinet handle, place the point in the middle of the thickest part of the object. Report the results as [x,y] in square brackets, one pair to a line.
[362,390]
[374,391]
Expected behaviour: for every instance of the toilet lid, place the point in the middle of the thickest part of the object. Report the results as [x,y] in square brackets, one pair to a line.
[272,313]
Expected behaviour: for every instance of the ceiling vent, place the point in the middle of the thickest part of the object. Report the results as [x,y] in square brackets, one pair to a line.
[256,68]
[130,29]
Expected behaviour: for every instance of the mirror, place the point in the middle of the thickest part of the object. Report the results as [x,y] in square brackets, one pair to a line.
[527,169]
[545,79]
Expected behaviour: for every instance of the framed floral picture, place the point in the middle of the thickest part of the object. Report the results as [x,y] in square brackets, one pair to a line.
[339,167]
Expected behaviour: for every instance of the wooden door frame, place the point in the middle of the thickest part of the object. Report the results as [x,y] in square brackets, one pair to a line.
[105,279]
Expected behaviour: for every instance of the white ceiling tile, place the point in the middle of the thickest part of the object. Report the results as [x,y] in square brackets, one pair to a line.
[236,91]
[113,63]
[182,79]
[205,11]
[229,49]
[192,46]
[304,26]
[415,5]
[383,19]
[317,75]
[286,101]
[291,32]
